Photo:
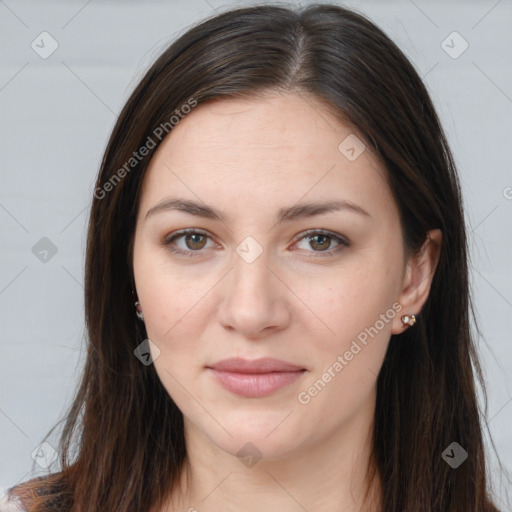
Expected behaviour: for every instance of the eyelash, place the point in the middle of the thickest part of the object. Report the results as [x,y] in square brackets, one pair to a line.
[343,242]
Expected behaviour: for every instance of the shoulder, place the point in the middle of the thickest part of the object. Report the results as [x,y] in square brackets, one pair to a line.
[46,490]
[9,505]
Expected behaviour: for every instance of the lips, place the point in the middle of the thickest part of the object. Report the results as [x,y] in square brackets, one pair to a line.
[263,365]
[255,378]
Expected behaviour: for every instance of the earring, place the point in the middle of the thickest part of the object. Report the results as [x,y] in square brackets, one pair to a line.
[408,319]
[138,311]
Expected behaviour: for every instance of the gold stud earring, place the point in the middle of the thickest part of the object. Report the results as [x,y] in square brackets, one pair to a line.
[408,320]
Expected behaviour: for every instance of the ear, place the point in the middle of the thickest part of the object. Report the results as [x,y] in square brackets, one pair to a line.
[418,275]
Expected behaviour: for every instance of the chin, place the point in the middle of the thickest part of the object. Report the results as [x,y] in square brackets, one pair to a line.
[253,447]
[267,435]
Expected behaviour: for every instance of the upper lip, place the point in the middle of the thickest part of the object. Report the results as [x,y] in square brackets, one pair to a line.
[262,365]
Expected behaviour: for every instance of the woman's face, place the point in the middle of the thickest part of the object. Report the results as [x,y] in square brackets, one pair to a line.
[252,283]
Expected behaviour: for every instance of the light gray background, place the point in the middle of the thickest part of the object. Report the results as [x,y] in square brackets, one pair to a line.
[57,114]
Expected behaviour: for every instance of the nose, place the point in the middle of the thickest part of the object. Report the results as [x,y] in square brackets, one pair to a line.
[255,302]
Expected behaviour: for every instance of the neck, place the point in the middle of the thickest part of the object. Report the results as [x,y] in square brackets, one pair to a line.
[331,474]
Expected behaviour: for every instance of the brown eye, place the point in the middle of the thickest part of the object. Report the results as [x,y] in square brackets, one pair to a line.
[322,242]
[188,242]
[195,241]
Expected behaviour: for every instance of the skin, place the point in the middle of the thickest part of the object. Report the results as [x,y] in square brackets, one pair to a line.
[248,159]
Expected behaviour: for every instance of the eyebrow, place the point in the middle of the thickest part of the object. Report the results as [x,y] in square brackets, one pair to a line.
[284,214]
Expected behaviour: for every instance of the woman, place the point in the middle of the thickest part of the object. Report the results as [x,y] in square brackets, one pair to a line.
[276,285]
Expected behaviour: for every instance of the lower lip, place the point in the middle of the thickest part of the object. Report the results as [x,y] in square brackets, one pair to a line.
[255,384]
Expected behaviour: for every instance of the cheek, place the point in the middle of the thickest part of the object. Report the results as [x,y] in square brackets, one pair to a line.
[347,363]
[358,307]
[354,298]
[174,314]
[172,297]
[175,323]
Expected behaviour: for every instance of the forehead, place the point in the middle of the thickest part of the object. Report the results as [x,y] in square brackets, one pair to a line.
[277,120]
[275,149]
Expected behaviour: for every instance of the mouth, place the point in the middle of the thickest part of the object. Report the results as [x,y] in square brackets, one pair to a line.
[256,378]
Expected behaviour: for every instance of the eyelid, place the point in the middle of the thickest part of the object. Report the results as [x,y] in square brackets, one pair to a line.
[187,231]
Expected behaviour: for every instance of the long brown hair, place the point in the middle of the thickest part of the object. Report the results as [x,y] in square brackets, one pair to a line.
[127,430]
